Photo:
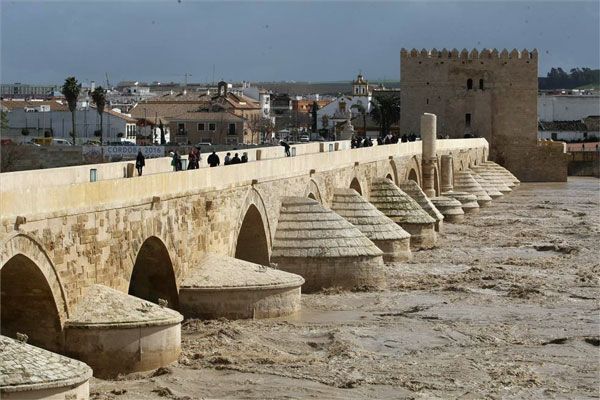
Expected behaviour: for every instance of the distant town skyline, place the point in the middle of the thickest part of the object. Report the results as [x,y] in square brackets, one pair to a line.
[44,42]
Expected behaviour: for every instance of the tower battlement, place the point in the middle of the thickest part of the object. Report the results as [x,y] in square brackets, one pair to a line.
[454,54]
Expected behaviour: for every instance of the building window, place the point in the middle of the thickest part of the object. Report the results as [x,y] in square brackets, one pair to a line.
[467,120]
[181,129]
[231,130]
[200,127]
[481,84]
[212,127]
[469,84]
[427,101]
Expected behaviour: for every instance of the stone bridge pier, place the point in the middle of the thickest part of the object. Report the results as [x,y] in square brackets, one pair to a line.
[105,271]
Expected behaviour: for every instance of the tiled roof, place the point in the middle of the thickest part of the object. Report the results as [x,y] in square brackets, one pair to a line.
[24,367]
[562,126]
[206,116]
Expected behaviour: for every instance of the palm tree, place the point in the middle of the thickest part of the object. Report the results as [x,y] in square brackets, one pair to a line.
[386,111]
[70,90]
[363,112]
[99,99]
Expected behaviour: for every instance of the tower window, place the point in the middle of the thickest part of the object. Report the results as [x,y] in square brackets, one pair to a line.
[427,101]
[481,84]
[467,120]
[469,84]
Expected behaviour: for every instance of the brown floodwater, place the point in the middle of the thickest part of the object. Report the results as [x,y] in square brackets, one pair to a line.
[507,306]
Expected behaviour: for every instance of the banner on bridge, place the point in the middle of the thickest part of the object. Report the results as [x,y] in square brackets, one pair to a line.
[94,154]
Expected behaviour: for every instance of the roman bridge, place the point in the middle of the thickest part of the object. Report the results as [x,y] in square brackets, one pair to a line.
[66,242]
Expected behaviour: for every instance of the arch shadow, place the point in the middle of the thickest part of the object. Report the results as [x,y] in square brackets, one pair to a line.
[355,184]
[313,188]
[253,229]
[252,242]
[153,275]
[32,298]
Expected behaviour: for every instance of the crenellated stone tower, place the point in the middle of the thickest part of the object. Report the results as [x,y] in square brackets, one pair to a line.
[488,94]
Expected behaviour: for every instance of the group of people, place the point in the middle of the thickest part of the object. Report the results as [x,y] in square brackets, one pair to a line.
[357,141]
[214,160]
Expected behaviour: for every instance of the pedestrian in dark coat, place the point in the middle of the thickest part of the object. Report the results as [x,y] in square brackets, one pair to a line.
[213,160]
[236,159]
[140,162]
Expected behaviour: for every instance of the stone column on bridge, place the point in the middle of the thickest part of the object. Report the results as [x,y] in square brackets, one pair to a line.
[447,173]
[428,137]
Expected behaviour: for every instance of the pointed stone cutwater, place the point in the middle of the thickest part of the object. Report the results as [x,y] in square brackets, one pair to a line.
[464,182]
[413,189]
[451,208]
[498,174]
[496,180]
[468,201]
[28,372]
[385,233]
[115,333]
[510,180]
[404,211]
[222,286]
[325,249]
[487,185]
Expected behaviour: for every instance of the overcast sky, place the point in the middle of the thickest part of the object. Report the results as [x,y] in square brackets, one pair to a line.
[45,41]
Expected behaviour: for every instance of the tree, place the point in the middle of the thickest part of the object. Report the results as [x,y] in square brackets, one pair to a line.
[363,112]
[386,111]
[70,90]
[99,99]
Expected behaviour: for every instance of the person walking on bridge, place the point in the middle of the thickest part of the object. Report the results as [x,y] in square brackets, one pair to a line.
[286,147]
[140,162]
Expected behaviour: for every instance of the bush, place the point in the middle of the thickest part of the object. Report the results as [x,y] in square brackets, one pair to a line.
[24,131]
[120,135]
[97,133]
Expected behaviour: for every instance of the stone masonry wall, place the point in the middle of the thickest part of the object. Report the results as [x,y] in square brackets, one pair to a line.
[101,246]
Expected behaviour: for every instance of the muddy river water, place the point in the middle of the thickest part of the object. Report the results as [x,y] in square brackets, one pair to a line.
[507,306]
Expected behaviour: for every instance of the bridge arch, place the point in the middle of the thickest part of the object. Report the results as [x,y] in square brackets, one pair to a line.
[153,275]
[312,188]
[389,172]
[253,234]
[413,172]
[355,184]
[32,297]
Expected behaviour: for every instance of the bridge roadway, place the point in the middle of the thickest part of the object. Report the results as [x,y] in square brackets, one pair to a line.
[62,236]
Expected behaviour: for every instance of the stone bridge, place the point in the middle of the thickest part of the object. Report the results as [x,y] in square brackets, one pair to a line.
[62,236]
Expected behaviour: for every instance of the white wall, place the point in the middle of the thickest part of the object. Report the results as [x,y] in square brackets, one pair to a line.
[567,108]
[86,122]
[565,135]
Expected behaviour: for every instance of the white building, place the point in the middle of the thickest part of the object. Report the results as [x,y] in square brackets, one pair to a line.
[567,107]
[52,117]
[361,95]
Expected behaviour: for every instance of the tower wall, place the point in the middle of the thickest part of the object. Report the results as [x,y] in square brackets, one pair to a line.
[503,109]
